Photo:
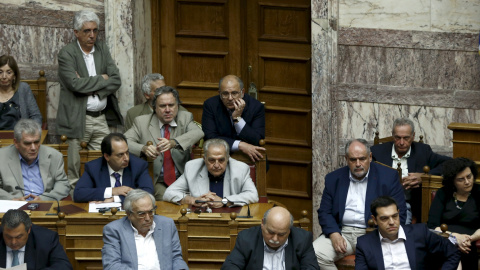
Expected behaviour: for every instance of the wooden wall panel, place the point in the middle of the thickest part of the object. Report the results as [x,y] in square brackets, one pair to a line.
[285,23]
[201,19]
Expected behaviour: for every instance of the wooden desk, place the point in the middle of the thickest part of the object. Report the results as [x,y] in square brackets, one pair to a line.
[206,242]
[6,137]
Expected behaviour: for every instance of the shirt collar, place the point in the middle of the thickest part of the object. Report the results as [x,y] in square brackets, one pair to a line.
[84,53]
[172,124]
[395,156]
[110,170]
[270,250]
[401,236]
[20,249]
[358,181]
[26,163]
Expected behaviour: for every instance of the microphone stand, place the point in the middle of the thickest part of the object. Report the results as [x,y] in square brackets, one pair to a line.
[58,203]
[248,209]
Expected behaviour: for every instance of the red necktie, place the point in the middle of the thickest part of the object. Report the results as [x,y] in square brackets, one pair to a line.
[168,166]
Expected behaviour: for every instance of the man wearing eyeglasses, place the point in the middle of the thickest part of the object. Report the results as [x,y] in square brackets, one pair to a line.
[141,240]
[413,157]
[235,117]
[89,79]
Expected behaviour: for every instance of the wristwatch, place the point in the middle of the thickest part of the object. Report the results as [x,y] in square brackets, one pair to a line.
[224,201]
[237,119]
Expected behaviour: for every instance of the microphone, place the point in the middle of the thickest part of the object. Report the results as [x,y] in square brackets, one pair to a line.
[248,209]
[200,201]
[58,203]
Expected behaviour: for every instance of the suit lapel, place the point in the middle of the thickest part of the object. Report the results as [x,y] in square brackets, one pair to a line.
[98,60]
[44,165]
[377,250]
[104,174]
[410,246]
[226,184]
[411,160]
[158,238]
[29,257]
[81,66]
[127,178]
[3,252]
[15,167]
[371,190]
[344,183]
[130,241]
[202,185]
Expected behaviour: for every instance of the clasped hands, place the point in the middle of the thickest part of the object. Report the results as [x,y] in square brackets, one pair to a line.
[24,198]
[413,180]
[116,191]
[163,145]
[464,241]
[213,201]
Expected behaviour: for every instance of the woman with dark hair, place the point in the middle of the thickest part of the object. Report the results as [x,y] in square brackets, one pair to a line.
[16,98]
[457,204]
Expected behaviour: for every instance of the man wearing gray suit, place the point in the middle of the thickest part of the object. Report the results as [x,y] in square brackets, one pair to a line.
[217,178]
[89,80]
[172,133]
[38,169]
[141,240]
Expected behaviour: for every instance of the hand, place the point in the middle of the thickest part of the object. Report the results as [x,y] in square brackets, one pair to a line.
[338,242]
[35,198]
[150,151]
[413,180]
[463,241]
[109,200]
[251,150]
[121,191]
[105,76]
[165,145]
[78,76]
[239,106]
[212,196]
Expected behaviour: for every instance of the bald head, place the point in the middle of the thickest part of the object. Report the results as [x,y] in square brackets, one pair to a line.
[276,225]
[230,89]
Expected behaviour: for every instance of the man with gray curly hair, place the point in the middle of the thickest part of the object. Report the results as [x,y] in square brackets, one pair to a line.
[89,79]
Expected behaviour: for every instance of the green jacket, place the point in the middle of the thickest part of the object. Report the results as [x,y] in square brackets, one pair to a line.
[74,91]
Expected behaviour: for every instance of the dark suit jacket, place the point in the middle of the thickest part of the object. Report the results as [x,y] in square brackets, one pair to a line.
[382,181]
[420,155]
[216,121]
[42,251]
[421,244]
[91,185]
[248,251]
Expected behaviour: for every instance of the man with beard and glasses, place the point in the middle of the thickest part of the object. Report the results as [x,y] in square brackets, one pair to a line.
[395,246]
[344,210]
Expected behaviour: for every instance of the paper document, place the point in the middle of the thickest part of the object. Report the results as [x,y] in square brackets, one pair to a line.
[93,207]
[6,205]
[18,267]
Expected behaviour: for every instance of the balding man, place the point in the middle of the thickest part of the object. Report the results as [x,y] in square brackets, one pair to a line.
[275,244]
[345,207]
[235,117]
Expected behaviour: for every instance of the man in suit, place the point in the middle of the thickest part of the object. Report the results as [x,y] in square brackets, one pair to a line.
[172,132]
[89,79]
[235,117]
[217,178]
[111,177]
[413,157]
[141,240]
[38,169]
[395,246]
[36,246]
[149,84]
[275,244]
[344,210]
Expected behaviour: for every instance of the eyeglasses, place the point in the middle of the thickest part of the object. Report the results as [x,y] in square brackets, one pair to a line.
[226,94]
[143,214]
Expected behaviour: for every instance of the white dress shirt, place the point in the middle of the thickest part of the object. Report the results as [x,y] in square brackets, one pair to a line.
[109,190]
[94,103]
[274,259]
[21,256]
[354,215]
[146,250]
[394,252]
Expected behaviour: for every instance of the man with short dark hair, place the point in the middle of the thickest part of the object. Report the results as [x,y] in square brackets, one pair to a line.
[235,117]
[172,132]
[37,168]
[344,210]
[22,242]
[275,244]
[141,240]
[217,178]
[111,177]
[395,246]
[413,157]
[89,80]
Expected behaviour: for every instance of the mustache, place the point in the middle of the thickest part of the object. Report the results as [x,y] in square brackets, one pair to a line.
[273,242]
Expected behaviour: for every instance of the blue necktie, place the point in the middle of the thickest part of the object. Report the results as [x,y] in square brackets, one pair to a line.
[117,179]
[15,258]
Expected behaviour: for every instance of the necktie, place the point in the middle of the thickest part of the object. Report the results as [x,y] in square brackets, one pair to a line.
[168,166]
[117,179]
[15,258]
